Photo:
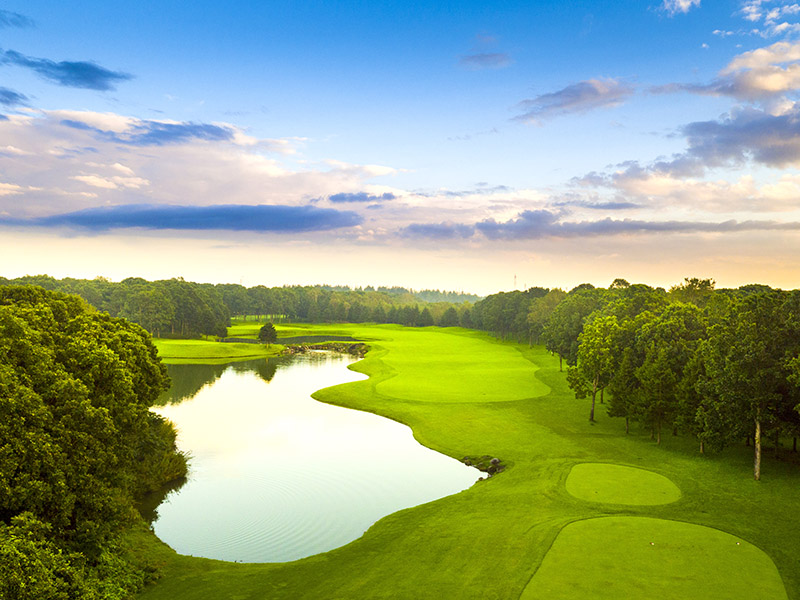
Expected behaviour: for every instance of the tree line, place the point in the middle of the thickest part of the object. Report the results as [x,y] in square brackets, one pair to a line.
[78,445]
[721,365]
[178,308]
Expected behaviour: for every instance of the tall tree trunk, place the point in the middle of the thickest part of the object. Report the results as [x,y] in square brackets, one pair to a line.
[658,429]
[757,445]
[594,395]
[702,447]
[794,444]
[601,394]
[560,363]
[627,426]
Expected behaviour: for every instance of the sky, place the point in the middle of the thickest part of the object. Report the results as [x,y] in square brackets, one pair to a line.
[475,146]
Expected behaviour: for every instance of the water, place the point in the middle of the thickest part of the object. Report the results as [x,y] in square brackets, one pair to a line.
[275,475]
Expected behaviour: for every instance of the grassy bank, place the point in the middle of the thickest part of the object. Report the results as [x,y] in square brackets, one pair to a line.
[466,394]
[211,352]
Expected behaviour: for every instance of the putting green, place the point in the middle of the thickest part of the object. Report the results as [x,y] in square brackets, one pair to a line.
[641,557]
[437,366]
[616,484]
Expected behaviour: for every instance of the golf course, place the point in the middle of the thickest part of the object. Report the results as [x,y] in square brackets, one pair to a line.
[581,510]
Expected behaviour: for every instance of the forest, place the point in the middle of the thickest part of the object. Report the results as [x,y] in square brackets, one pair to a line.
[183,309]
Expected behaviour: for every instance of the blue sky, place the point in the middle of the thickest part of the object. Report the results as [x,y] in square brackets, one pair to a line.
[450,145]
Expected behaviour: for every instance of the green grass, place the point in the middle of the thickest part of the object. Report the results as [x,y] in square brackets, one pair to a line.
[202,351]
[491,540]
[608,558]
[618,484]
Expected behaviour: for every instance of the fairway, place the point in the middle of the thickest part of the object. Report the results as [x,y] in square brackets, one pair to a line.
[638,557]
[617,484]
[573,513]
[456,368]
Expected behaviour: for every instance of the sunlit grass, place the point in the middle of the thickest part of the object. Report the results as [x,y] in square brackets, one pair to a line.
[194,351]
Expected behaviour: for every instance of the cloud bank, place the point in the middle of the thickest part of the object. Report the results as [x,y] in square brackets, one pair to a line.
[258,218]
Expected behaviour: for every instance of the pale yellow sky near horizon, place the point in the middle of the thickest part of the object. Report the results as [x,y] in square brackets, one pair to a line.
[474,268]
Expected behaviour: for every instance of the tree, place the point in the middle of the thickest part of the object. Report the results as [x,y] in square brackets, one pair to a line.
[747,362]
[425,318]
[540,310]
[669,342]
[267,334]
[595,363]
[565,324]
[449,318]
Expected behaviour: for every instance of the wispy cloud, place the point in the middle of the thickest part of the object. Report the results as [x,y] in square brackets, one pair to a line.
[594,204]
[157,133]
[12,19]
[360,197]
[673,7]
[575,98]
[540,224]
[438,231]
[259,218]
[77,74]
[485,60]
[11,98]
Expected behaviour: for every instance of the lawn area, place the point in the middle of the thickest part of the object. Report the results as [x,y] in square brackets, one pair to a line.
[467,394]
[202,351]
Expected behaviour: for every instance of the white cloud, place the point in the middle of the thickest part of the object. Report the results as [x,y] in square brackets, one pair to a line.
[10,189]
[63,162]
[679,6]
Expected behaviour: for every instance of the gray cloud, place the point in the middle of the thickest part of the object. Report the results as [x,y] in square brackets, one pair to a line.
[576,98]
[156,133]
[12,19]
[78,74]
[485,60]
[539,224]
[11,98]
[575,200]
[438,231]
[747,134]
[360,197]
[260,218]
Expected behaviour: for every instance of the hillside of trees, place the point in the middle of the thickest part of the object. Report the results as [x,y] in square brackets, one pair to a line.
[78,445]
[720,365]
[178,308]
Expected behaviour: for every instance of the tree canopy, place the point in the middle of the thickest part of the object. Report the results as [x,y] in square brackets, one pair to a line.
[79,441]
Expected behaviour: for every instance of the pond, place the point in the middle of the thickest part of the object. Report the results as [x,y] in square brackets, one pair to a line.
[275,475]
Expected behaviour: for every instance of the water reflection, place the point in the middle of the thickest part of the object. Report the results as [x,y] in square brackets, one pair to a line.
[277,476]
[188,380]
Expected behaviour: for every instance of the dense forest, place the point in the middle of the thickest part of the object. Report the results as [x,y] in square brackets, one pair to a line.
[722,365]
[178,308]
[79,445]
